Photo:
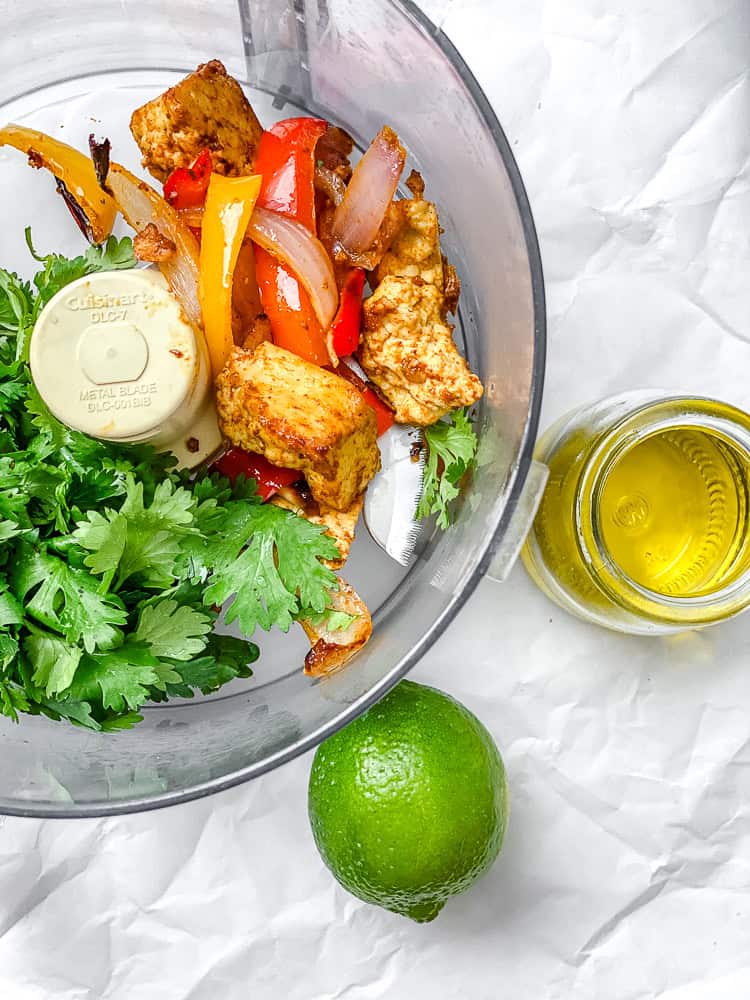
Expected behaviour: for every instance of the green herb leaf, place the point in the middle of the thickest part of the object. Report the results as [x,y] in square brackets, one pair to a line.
[226,659]
[333,621]
[65,599]
[16,302]
[12,700]
[138,540]
[54,661]
[77,712]
[118,679]
[269,561]
[451,447]
[59,271]
[8,651]
[118,723]
[173,631]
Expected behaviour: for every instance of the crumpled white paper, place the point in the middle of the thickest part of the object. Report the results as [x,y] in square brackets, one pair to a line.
[626,868]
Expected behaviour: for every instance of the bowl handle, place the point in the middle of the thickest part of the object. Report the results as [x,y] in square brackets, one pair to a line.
[520,523]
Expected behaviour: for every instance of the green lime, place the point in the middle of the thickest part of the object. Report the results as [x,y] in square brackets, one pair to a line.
[408,804]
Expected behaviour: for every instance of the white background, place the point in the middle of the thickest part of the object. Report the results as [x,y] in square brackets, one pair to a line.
[626,868]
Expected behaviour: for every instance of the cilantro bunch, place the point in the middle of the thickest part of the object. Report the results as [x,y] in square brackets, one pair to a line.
[112,564]
[451,449]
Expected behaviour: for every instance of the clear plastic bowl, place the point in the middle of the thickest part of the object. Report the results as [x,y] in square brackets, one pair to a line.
[82,67]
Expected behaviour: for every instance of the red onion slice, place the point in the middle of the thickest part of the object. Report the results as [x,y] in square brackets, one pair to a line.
[369,193]
[293,244]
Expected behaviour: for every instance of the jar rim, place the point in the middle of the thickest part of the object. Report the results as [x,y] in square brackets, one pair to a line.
[637,425]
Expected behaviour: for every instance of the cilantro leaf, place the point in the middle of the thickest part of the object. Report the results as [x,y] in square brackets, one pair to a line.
[226,659]
[12,700]
[268,561]
[138,540]
[114,255]
[332,620]
[65,599]
[11,611]
[8,651]
[173,630]
[59,271]
[17,316]
[16,302]
[451,447]
[118,678]
[54,661]
[77,712]
[117,723]
[232,653]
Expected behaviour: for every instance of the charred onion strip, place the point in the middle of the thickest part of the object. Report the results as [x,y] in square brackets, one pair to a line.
[142,206]
[330,184]
[100,158]
[358,218]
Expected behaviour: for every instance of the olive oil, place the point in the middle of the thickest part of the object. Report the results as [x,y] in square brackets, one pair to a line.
[673,512]
[644,524]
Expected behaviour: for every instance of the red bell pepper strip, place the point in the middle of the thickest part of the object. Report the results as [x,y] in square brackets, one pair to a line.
[286,160]
[383,413]
[346,323]
[269,478]
[186,187]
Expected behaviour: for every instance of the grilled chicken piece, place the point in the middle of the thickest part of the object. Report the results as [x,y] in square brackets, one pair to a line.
[332,650]
[415,250]
[206,109]
[300,416]
[150,244]
[407,347]
[341,525]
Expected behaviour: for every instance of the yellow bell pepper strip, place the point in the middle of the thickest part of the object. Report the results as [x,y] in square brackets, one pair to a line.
[72,168]
[229,204]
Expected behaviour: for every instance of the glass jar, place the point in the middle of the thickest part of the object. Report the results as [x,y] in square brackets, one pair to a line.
[643,526]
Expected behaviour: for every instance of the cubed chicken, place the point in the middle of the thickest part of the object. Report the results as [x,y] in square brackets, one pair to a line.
[206,109]
[407,351]
[407,347]
[300,416]
[331,650]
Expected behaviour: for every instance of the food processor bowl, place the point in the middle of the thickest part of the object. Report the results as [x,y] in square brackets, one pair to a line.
[81,67]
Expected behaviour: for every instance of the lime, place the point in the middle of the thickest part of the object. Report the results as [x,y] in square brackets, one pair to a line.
[408,804]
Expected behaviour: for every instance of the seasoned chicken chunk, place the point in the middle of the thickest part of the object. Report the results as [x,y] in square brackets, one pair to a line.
[407,347]
[150,244]
[332,650]
[301,417]
[415,251]
[206,109]
[339,524]
[407,351]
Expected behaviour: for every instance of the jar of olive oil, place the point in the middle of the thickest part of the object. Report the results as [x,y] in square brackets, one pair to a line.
[644,523]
